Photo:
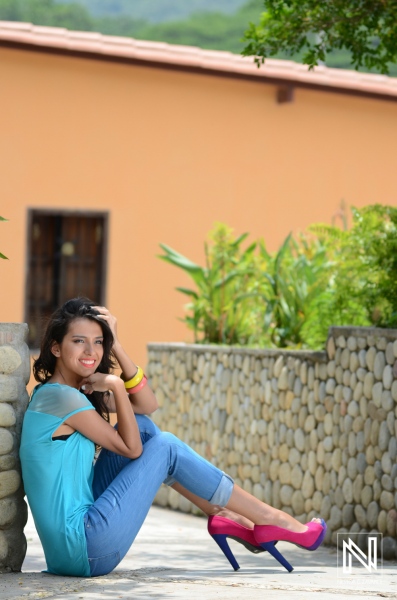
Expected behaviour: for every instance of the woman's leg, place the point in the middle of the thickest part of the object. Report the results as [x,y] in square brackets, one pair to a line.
[260,513]
[115,518]
[109,464]
[212,509]
[246,510]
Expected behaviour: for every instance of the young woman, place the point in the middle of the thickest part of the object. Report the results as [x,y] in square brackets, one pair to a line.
[88,516]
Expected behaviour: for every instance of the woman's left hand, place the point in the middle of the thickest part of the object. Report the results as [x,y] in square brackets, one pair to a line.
[144,402]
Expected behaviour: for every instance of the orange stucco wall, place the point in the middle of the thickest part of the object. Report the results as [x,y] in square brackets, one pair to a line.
[168,154]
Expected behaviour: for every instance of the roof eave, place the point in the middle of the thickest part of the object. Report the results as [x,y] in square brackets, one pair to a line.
[95,46]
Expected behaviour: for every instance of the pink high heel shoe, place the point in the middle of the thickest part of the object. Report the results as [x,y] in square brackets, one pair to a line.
[310,539]
[221,528]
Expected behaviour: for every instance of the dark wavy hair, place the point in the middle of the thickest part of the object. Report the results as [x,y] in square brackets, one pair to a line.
[57,328]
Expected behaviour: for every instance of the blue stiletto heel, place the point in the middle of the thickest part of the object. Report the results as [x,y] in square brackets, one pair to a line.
[270,547]
[220,539]
[221,528]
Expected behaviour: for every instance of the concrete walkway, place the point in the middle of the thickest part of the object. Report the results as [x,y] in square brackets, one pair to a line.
[174,557]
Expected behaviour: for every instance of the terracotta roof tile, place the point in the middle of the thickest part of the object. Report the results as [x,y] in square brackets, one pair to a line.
[196,59]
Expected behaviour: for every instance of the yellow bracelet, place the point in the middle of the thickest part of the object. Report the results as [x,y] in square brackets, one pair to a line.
[136,380]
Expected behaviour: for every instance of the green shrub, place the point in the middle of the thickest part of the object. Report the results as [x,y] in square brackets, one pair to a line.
[363,289]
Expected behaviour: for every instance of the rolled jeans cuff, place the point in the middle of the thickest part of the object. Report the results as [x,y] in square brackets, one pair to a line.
[222,493]
[169,481]
[224,490]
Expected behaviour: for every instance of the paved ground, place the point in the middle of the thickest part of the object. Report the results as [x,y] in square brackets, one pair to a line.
[174,557]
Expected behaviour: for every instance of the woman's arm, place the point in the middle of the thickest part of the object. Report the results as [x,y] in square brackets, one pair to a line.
[143,402]
[126,439]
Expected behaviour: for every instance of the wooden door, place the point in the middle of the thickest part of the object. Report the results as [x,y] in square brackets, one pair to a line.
[65,260]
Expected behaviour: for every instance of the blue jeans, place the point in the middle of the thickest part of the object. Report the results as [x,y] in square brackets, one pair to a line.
[124,490]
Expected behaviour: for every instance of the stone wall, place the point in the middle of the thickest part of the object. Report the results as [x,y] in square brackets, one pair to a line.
[14,375]
[312,433]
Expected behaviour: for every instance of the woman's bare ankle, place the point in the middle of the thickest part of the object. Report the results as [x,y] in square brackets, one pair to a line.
[279,518]
[233,516]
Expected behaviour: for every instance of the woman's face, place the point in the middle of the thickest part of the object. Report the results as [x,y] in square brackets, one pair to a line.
[81,350]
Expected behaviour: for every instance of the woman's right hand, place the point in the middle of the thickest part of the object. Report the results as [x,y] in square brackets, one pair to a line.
[102,382]
[126,439]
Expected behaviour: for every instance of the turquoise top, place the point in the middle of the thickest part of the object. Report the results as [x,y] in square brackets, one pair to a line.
[57,477]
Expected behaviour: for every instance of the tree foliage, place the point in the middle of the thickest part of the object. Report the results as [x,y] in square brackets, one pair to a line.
[366,28]
[155,11]
[46,12]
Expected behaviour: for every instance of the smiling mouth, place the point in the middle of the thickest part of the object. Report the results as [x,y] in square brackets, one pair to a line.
[87,363]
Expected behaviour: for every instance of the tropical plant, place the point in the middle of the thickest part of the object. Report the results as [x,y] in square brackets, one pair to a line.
[222,308]
[325,276]
[295,275]
[2,255]
[256,298]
